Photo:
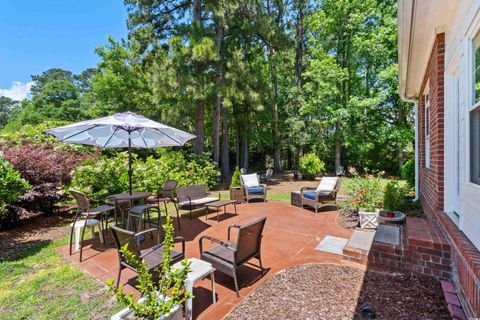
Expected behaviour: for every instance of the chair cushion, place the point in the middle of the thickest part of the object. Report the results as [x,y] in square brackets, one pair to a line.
[198,202]
[258,189]
[327,184]
[310,195]
[250,180]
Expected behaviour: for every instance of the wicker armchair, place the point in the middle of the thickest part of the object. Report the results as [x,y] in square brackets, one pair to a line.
[85,212]
[323,195]
[228,256]
[152,256]
[253,190]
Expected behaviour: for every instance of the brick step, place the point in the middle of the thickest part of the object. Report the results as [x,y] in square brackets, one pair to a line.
[358,247]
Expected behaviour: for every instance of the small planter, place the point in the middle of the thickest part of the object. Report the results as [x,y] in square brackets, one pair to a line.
[368,220]
[127,314]
[237,194]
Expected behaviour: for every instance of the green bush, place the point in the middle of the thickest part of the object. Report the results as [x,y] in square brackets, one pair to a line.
[311,166]
[11,187]
[235,178]
[393,196]
[408,172]
[109,175]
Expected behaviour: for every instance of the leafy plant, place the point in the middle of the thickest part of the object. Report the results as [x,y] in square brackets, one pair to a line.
[109,175]
[408,172]
[11,187]
[393,196]
[311,166]
[365,193]
[159,299]
[235,178]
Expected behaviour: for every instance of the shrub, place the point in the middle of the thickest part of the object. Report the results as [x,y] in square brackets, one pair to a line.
[311,166]
[11,187]
[408,172]
[39,164]
[46,169]
[393,196]
[365,192]
[109,175]
[235,178]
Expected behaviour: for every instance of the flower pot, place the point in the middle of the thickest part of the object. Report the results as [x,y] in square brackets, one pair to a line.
[127,313]
[368,220]
[237,194]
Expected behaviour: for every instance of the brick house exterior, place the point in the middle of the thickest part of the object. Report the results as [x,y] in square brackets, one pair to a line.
[439,45]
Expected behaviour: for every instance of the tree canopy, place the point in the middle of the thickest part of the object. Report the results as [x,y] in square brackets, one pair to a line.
[259,82]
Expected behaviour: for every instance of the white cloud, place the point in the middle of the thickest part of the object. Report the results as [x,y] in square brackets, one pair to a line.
[18,91]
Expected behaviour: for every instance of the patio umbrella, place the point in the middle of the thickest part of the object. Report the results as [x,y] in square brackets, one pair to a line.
[122,130]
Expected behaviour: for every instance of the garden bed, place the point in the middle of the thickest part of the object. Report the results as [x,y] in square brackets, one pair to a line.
[317,291]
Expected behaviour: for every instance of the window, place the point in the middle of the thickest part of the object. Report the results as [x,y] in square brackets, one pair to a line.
[474,115]
[427,127]
[475,146]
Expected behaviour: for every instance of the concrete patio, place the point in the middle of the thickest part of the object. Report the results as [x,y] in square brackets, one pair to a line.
[290,237]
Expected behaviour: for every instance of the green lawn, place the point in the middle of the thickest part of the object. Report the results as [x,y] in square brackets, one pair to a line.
[41,284]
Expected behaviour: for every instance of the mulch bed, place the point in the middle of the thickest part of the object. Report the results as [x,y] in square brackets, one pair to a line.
[316,291]
[347,219]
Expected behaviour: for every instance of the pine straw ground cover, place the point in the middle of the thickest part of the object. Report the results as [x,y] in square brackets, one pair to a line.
[316,291]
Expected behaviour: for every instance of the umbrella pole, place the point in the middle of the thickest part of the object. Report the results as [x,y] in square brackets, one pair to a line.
[130,163]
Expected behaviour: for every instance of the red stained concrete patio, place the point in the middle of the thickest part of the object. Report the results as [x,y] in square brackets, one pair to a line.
[290,237]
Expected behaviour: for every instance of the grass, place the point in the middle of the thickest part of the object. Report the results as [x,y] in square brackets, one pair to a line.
[41,284]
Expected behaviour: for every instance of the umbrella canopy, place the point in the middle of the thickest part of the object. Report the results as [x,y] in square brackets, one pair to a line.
[122,130]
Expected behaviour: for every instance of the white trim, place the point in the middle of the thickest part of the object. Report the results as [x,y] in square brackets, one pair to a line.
[427,123]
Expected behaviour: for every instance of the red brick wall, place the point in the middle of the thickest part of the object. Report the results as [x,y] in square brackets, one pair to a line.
[465,258]
[431,179]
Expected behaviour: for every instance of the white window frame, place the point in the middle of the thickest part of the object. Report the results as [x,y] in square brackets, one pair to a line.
[472,107]
[427,123]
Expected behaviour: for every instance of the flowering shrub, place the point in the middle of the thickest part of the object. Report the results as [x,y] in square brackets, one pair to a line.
[311,166]
[365,193]
[109,175]
[11,187]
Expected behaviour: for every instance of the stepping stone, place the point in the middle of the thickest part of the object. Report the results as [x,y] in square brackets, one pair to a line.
[361,239]
[332,245]
[388,234]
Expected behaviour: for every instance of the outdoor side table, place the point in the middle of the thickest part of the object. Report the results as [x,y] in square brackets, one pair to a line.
[200,270]
[218,204]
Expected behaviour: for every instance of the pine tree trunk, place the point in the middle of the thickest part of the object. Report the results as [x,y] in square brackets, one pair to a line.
[338,147]
[225,146]
[218,99]
[199,108]
[245,153]
[277,164]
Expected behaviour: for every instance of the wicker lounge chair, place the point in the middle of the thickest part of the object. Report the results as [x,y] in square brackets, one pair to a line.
[253,188]
[228,256]
[85,212]
[153,256]
[192,197]
[323,195]
[165,195]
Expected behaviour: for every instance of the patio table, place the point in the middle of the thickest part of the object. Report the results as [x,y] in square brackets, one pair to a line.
[200,270]
[218,204]
[126,196]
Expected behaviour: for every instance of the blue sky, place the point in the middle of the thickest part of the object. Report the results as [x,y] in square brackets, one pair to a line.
[36,35]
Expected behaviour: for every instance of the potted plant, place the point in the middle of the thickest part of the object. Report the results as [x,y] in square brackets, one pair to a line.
[366,198]
[237,192]
[160,300]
